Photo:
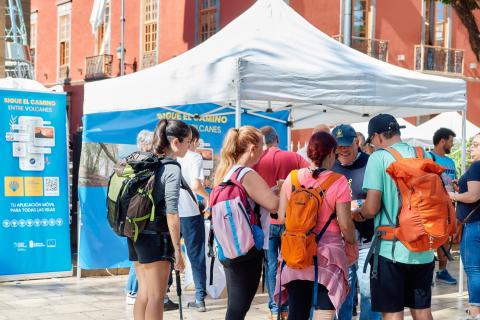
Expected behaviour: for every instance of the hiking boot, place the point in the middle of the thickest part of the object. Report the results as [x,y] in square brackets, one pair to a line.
[284,315]
[444,277]
[199,306]
[169,305]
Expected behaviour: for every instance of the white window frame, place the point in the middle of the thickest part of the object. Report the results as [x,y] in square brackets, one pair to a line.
[142,34]
[63,10]
[107,32]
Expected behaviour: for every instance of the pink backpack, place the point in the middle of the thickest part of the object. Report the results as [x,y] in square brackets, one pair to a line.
[235,225]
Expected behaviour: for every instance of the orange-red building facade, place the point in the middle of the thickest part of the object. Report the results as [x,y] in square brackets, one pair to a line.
[68,52]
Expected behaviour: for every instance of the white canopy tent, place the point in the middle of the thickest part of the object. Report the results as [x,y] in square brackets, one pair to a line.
[450,120]
[271,58]
[26,84]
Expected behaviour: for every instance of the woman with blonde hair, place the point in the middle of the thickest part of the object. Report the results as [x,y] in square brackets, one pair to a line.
[242,148]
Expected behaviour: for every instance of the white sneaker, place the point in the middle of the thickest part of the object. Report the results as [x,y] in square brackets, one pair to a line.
[130,299]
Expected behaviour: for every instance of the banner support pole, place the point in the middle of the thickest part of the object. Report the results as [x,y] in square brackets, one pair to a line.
[238,110]
[79,226]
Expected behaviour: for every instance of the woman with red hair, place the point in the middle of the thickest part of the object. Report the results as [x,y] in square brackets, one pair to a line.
[332,259]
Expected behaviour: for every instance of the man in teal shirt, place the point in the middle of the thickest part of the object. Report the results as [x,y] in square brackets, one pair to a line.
[403,277]
[443,143]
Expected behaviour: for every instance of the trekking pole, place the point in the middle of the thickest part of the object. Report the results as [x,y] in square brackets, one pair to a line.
[447,253]
[179,292]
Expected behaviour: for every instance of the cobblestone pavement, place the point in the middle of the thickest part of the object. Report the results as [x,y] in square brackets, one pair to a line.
[103,298]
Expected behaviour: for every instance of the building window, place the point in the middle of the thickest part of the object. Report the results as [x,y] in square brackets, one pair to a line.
[64,39]
[150,26]
[436,15]
[207,19]
[360,18]
[103,33]
[64,21]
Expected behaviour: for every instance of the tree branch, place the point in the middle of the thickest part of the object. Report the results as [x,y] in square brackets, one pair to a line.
[107,152]
[464,12]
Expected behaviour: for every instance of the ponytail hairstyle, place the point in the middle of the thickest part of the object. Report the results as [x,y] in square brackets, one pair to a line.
[321,144]
[165,132]
[234,146]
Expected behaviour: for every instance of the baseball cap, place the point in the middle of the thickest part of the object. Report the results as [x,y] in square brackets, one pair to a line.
[382,123]
[344,134]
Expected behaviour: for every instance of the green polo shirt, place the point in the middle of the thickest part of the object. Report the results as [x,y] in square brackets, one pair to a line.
[376,178]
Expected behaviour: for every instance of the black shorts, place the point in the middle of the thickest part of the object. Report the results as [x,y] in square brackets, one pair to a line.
[400,285]
[151,248]
[300,298]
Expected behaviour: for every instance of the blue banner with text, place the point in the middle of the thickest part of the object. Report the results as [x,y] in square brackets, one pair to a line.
[110,136]
[34,209]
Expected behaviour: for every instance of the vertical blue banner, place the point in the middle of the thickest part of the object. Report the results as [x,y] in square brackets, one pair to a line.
[34,210]
[110,136]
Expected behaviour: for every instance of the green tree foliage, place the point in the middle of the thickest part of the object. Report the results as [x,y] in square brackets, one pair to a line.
[464,10]
[456,155]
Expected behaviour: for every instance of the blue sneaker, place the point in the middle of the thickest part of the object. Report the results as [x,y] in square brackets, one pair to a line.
[445,277]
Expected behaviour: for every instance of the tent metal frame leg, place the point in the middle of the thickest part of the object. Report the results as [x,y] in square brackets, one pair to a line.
[464,164]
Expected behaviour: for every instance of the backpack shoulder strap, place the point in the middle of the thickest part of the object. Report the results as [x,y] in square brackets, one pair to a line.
[329,181]
[294,179]
[394,153]
[184,185]
[168,161]
[236,173]
[433,156]
[419,152]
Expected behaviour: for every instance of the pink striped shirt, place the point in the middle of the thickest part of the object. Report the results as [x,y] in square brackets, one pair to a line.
[331,252]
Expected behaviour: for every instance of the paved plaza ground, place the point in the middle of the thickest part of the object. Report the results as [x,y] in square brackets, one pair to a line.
[103,298]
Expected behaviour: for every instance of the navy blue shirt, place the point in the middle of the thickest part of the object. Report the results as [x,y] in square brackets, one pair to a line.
[354,174]
[463,209]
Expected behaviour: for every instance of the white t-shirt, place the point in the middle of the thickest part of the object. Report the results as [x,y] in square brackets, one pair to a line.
[192,168]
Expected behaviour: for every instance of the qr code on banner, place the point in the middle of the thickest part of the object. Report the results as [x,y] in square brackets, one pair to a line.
[50,186]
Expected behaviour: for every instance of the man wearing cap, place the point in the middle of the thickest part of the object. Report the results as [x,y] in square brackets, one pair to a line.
[403,278]
[351,162]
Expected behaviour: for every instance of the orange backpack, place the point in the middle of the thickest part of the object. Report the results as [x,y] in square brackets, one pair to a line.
[299,241]
[427,218]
